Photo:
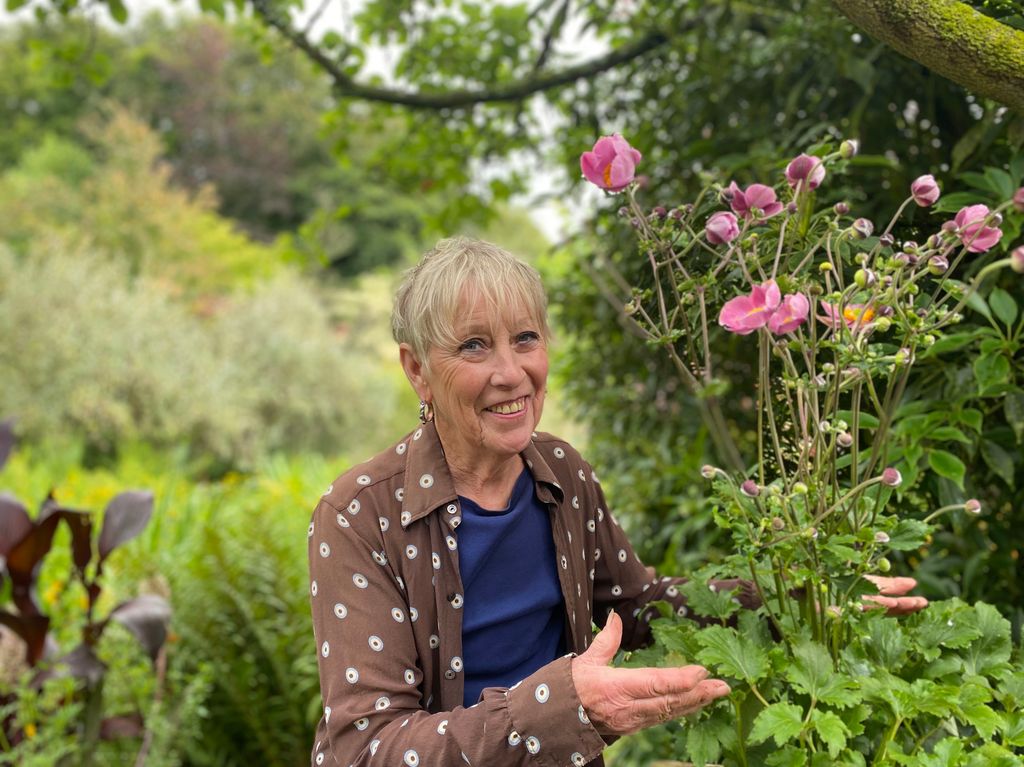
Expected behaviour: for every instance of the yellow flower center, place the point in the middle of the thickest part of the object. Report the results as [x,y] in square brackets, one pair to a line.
[608,175]
[851,314]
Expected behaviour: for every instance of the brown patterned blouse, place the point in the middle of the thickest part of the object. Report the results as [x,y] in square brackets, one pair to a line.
[386,598]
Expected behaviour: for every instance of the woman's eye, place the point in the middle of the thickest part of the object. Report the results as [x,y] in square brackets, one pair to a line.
[528,338]
[472,345]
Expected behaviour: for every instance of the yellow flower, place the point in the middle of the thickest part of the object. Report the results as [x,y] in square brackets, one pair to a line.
[30,730]
[53,592]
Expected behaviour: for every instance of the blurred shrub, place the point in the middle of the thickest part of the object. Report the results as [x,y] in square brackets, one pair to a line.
[91,353]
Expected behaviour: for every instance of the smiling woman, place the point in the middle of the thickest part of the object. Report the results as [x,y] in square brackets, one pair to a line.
[455,575]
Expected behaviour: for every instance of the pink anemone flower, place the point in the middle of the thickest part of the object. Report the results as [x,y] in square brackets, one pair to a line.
[791,314]
[722,228]
[853,316]
[745,314]
[806,168]
[755,196]
[971,228]
[611,164]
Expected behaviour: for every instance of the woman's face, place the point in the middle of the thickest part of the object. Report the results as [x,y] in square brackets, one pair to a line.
[488,388]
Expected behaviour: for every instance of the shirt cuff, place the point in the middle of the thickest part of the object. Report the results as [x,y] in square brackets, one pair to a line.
[549,720]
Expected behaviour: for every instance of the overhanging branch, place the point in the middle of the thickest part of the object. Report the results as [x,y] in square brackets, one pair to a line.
[950,38]
[514,91]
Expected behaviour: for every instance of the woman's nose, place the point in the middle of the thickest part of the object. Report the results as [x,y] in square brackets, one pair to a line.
[507,371]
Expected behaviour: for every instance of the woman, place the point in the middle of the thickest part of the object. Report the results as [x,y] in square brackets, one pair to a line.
[456,575]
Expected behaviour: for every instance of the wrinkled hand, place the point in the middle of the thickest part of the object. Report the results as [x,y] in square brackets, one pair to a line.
[891,596]
[620,701]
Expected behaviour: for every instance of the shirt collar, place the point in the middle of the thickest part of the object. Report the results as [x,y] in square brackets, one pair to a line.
[428,484]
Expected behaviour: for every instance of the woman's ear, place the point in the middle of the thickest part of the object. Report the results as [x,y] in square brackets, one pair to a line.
[413,368]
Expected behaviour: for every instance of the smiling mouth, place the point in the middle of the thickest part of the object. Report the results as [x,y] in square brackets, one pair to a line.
[508,408]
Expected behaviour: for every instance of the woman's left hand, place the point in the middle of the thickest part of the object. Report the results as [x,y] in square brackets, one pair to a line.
[892,596]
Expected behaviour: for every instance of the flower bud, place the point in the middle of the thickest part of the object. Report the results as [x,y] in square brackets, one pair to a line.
[881,537]
[938,265]
[882,324]
[778,525]
[925,190]
[659,212]
[1017,259]
[865,278]
[891,477]
[949,227]
[677,214]
[886,239]
[933,241]
[820,381]
[863,228]
[902,259]
[849,148]
[811,533]
[928,340]
[825,266]
[623,211]
[792,207]
[904,356]
[750,489]
[884,311]
[1018,200]
[630,308]
[884,565]
[841,208]
[800,488]
[708,471]
[635,223]
[996,219]
[844,439]
[973,505]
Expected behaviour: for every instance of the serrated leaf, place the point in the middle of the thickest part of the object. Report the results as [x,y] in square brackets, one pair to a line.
[908,534]
[1003,305]
[1000,461]
[991,651]
[812,672]
[983,718]
[946,753]
[831,730]
[781,721]
[947,465]
[731,654]
[788,756]
[710,602]
[945,628]
[702,745]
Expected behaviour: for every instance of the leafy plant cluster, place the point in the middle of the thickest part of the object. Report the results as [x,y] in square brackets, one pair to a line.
[840,315]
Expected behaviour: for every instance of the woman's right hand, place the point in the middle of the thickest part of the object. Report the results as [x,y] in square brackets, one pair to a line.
[620,701]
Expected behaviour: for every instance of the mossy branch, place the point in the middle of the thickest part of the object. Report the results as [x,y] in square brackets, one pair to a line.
[950,38]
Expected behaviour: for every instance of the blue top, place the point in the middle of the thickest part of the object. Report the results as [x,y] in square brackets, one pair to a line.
[513,620]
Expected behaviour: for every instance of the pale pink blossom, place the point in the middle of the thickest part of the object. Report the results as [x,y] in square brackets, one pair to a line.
[925,190]
[611,164]
[972,230]
[806,168]
[791,314]
[721,228]
[891,477]
[755,197]
[858,316]
[745,314]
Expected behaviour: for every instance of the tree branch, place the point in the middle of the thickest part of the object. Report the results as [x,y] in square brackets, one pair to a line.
[517,90]
[950,38]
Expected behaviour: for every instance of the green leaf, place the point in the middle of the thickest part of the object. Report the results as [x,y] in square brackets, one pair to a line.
[946,753]
[947,465]
[1013,407]
[991,370]
[983,718]
[781,721]
[731,654]
[118,11]
[952,343]
[710,602]
[1000,461]
[702,745]
[971,417]
[831,730]
[788,756]
[948,434]
[812,672]
[938,627]
[1003,305]
[991,651]
[909,534]
[867,421]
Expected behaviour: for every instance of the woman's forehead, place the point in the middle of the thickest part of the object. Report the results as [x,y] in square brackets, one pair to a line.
[478,312]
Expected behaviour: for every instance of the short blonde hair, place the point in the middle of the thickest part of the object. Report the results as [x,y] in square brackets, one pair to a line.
[433,291]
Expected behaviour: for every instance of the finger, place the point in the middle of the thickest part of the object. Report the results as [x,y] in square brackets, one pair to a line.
[658,683]
[893,587]
[895,605]
[684,704]
[602,650]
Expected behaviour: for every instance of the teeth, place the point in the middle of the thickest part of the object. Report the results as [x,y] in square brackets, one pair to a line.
[508,408]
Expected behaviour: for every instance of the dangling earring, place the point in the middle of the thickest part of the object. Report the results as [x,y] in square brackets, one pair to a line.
[426,412]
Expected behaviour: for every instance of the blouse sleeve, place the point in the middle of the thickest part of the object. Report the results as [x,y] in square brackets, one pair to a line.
[371,677]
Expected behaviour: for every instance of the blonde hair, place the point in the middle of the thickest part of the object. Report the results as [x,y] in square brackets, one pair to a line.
[452,273]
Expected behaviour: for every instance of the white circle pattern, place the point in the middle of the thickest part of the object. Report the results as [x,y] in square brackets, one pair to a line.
[622,555]
[542,693]
[583,715]
[320,758]
[514,739]
[374,745]
[411,551]
[577,759]
[363,479]
[434,642]
[379,558]
[362,724]
[452,545]
[360,580]
[591,526]
[398,615]
[411,758]
[382,703]
[376,643]
[400,448]
[452,508]
[442,728]
[325,550]
[575,502]
[413,614]
[342,521]
[457,601]
[340,611]
[417,434]
[400,494]
[313,588]
[533,744]
[559,452]
[406,517]
[409,676]
[309,532]
[325,649]
[456,664]
[426,481]
[351,675]
[435,560]
[384,524]
[355,506]
[616,590]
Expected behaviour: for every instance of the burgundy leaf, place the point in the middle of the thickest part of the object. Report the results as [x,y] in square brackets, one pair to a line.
[80,524]
[82,663]
[114,727]
[146,617]
[14,523]
[126,516]
[24,561]
[7,440]
[32,630]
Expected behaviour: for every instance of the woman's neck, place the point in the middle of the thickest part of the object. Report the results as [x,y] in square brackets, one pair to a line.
[488,483]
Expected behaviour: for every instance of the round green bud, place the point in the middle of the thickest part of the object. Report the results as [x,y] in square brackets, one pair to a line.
[884,565]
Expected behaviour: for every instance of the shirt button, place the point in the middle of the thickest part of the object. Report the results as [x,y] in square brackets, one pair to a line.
[449,674]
